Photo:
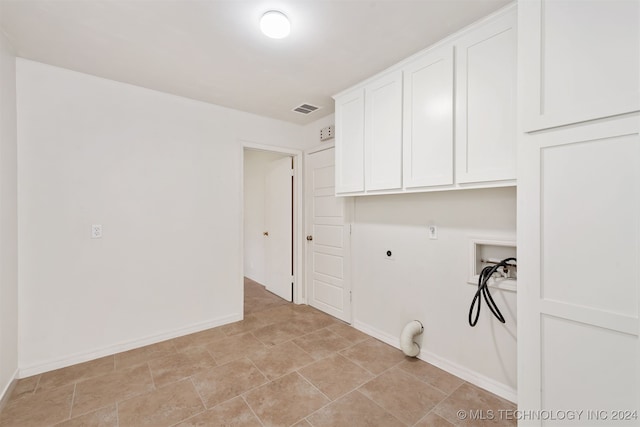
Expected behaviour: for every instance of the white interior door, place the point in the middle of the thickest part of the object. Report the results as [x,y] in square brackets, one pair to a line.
[279,228]
[328,238]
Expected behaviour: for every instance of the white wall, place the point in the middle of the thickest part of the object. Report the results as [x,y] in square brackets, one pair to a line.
[427,280]
[162,175]
[255,168]
[8,218]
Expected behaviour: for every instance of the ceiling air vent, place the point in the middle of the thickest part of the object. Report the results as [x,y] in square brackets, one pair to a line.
[305,108]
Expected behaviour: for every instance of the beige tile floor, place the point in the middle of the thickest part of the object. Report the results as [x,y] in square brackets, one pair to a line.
[283,365]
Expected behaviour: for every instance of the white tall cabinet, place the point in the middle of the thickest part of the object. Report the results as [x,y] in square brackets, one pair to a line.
[579,211]
[581,62]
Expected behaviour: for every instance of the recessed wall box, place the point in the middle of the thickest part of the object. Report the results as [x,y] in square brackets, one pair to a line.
[484,252]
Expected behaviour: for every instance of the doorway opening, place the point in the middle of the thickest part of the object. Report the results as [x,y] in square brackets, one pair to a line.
[271,198]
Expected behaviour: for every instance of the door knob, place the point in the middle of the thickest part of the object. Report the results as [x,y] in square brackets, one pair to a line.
[309,238]
[265,233]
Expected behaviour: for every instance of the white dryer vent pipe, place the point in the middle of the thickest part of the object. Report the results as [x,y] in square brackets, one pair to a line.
[408,346]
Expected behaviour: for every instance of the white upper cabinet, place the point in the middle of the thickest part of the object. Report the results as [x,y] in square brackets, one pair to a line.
[486,101]
[350,142]
[581,60]
[442,119]
[428,119]
[383,133]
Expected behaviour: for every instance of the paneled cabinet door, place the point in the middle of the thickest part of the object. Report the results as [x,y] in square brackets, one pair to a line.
[578,341]
[383,133]
[350,142]
[486,102]
[428,119]
[579,60]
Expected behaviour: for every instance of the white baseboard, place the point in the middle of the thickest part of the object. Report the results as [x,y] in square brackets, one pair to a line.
[475,378]
[482,381]
[8,389]
[377,334]
[253,276]
[34,369]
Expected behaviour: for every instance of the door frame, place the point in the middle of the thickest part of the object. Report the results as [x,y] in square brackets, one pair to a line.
[349,216]
[298,273]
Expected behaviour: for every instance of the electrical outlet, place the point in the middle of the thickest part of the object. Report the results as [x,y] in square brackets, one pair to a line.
[433,232]
[327,133]
[96,231]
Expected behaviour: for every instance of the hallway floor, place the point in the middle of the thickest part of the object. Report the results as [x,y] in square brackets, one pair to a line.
[283,365]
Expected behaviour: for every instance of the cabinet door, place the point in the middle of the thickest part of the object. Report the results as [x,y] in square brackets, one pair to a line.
[350,142]
[383,133]
[578,318]
[428,119]
[579,60]
[486,102]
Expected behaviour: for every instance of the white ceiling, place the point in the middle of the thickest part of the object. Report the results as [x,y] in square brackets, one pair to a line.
[213,50]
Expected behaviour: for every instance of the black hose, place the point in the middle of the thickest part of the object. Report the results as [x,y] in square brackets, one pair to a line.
[483,291]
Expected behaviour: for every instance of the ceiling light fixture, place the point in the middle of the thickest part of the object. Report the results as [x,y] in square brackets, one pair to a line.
[275,24]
